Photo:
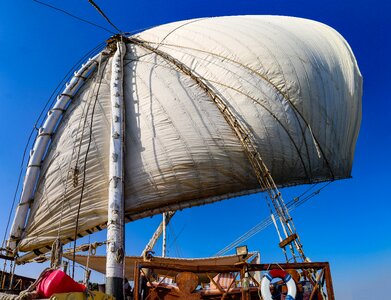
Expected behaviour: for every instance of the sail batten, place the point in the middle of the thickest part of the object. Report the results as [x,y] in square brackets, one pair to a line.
[294,83]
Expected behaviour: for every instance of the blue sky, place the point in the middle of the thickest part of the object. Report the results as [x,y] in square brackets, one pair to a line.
[347,224]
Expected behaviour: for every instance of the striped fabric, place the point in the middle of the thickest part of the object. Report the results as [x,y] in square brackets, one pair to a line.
[224,280]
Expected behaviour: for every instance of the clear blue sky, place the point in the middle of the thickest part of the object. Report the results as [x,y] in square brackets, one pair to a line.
[347,224]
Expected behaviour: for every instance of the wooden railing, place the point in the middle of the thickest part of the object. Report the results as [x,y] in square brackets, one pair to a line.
[191,282]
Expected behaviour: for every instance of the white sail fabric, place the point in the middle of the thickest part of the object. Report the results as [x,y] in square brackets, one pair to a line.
[293,82]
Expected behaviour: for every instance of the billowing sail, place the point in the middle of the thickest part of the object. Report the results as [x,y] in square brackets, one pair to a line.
[294,83]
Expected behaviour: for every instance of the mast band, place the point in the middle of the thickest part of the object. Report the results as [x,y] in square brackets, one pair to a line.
[67,95]
[81,76]
[34,166]
[59,109]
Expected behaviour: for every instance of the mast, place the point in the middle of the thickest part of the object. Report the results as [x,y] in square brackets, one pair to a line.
[115,225]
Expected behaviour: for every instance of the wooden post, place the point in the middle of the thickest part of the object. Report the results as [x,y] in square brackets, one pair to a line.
[329,282]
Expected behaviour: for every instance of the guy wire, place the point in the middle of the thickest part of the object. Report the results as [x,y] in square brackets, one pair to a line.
[104,15]
[74,16]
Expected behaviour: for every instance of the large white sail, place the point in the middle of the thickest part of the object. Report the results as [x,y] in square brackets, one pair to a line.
[293,82]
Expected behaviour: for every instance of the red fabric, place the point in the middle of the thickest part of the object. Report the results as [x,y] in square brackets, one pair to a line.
[278,273]
[56,281]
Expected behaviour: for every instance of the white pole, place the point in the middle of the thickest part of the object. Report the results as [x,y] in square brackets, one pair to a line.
[258,273]
[39,149]
[156,235]
[115,222]
[164,243]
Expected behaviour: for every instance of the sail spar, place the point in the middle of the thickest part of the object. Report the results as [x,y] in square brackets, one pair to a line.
[293,82]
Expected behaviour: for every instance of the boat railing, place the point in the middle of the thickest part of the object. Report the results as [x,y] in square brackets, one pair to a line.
[242,280]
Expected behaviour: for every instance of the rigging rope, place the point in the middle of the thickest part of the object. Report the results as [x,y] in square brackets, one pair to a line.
[42,174]
[87,270]
[12,273]
[104,15]
[51,100]
[82,248]
[175,238]
[74,16]
[298,115]
[246,138]
[85,112]
[67,77]
[85,168]
[291,205]
[56,256]
[86,247]
[30,292]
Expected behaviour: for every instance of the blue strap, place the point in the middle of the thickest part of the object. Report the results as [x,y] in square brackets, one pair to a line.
[287,278]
